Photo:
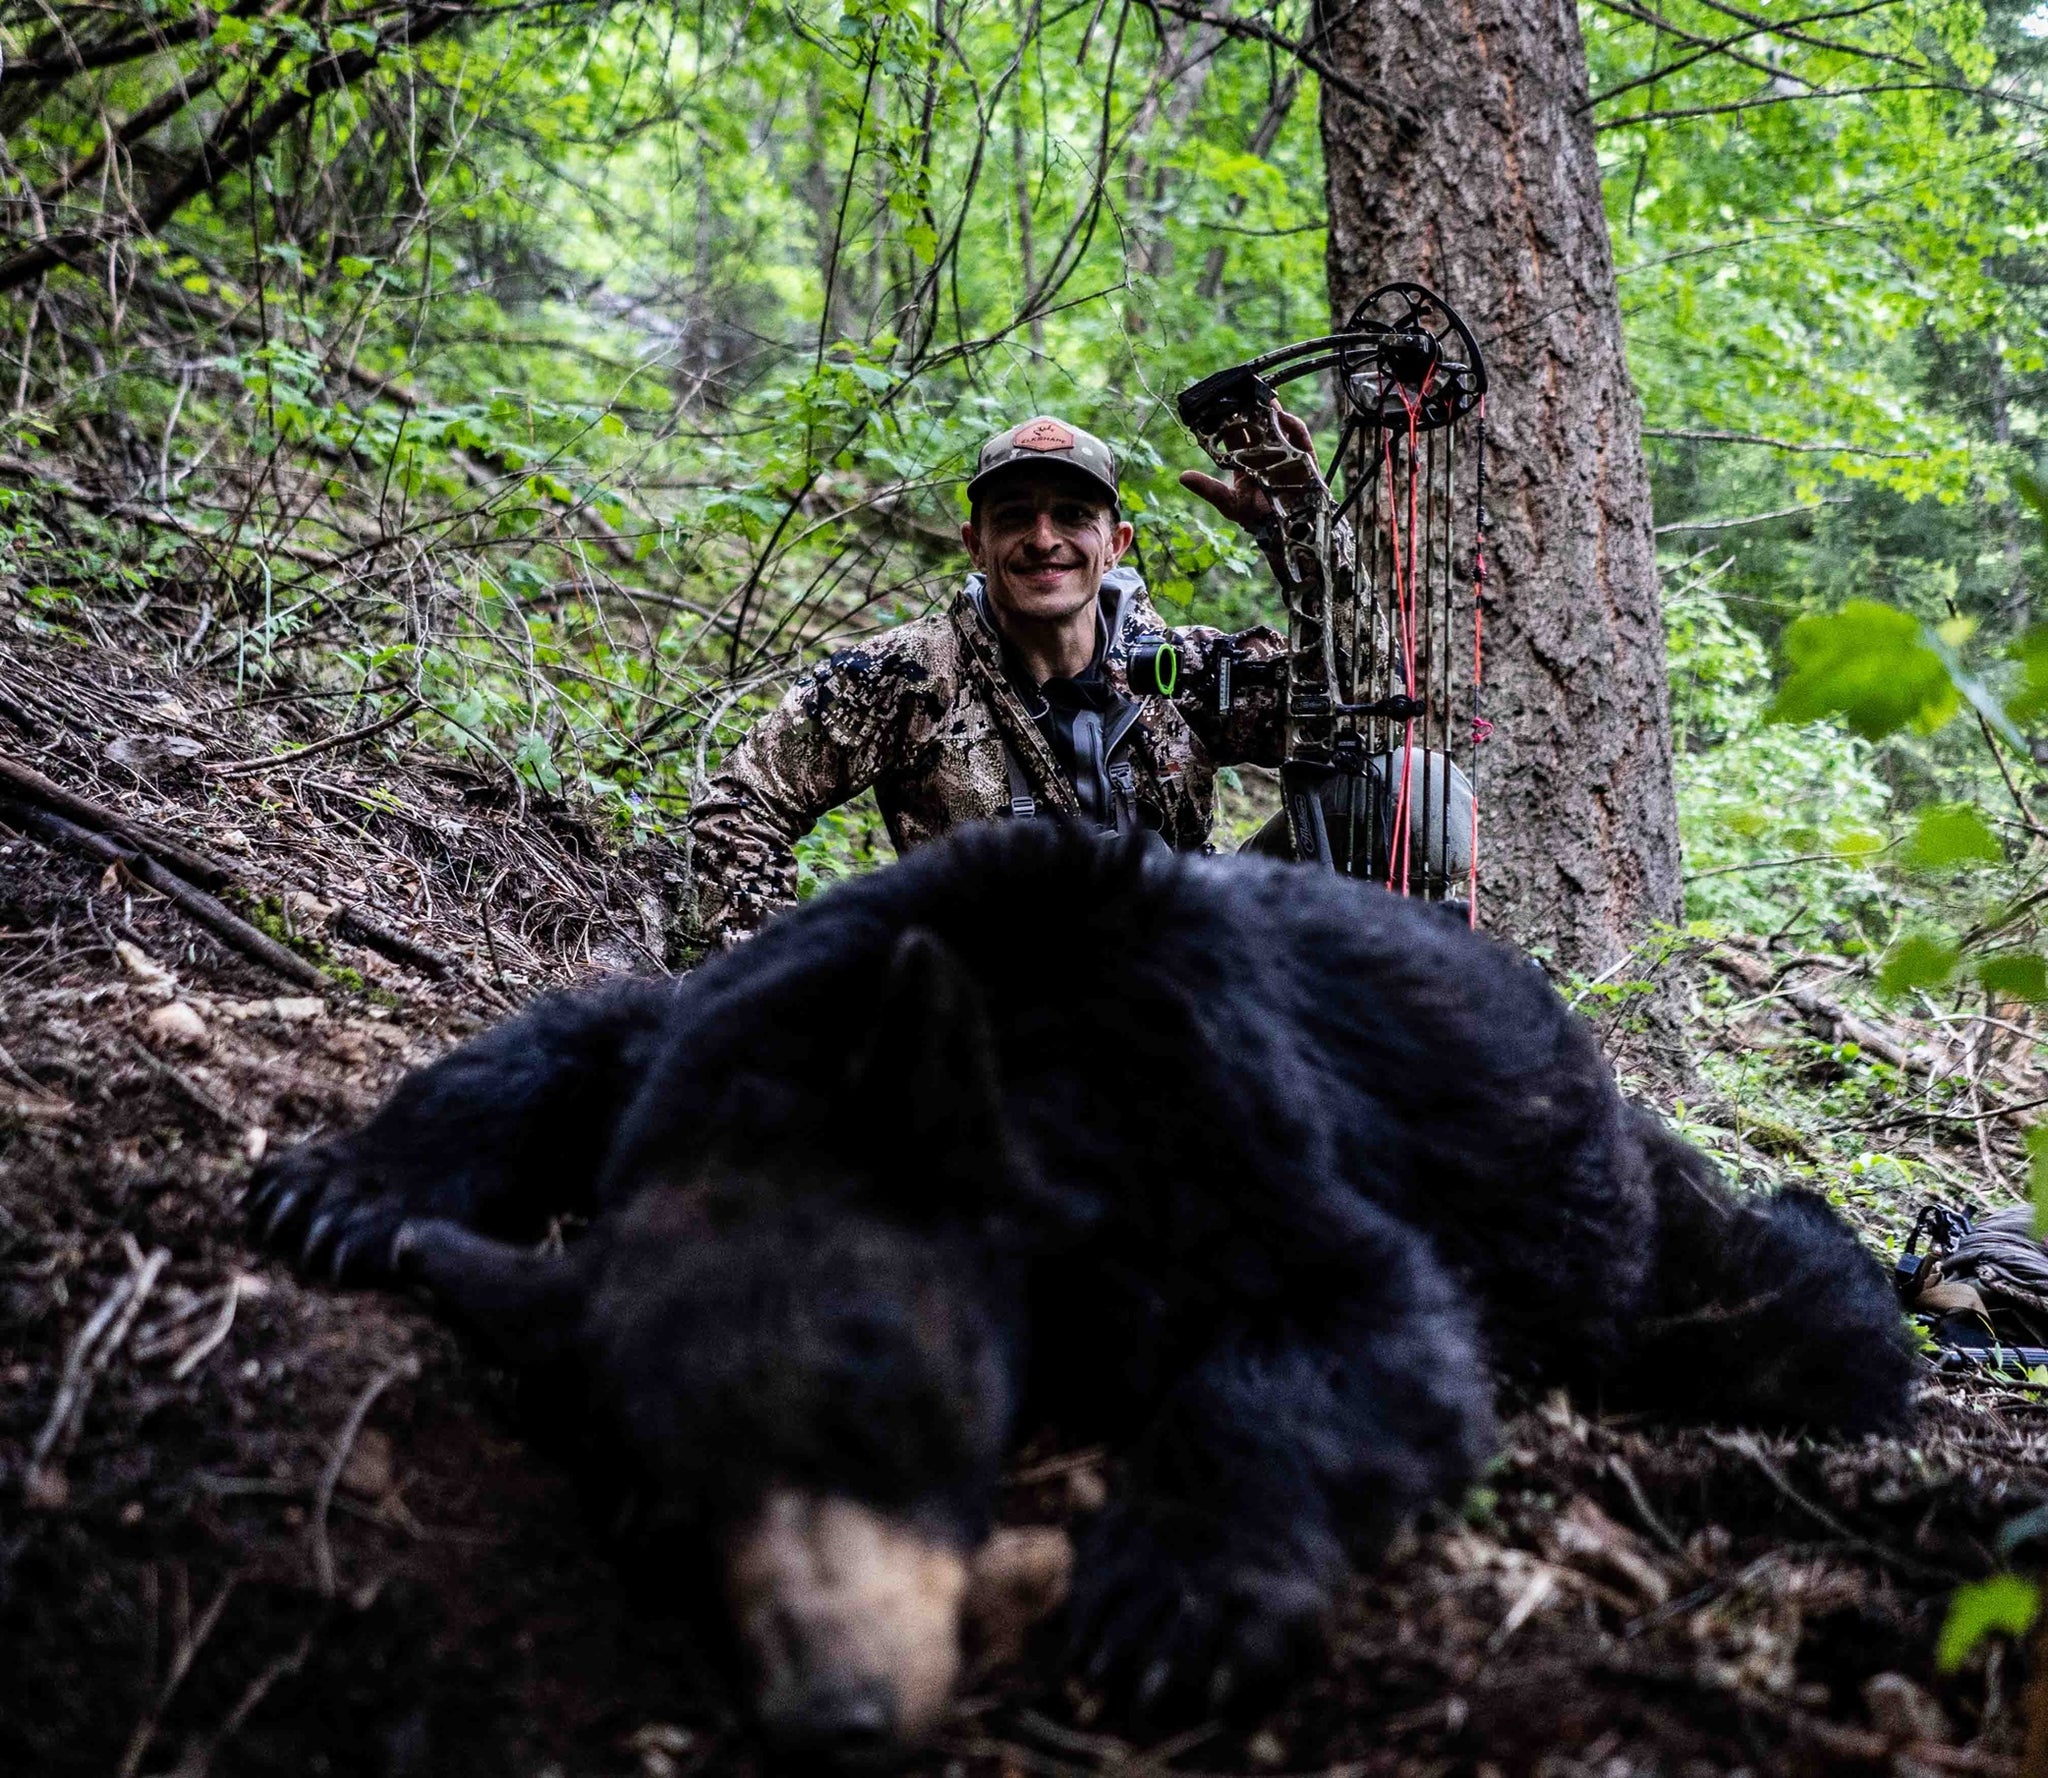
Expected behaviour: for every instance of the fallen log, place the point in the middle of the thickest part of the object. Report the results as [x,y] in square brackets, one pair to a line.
[353,924]
[223,922]
[1830,1019]
[30,786]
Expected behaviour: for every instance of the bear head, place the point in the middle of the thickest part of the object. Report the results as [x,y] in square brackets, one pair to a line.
[809,1355]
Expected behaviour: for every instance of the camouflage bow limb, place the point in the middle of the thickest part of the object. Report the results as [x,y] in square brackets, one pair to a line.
[1235,417]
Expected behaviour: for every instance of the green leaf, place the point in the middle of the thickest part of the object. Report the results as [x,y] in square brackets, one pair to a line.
[2034,492]
[2004,1605]
[1980,696]
[2036,1138]
[536,761]
[2030,649]
[1948,834]
[1870,664]
[1919,960]
[2021,974]
[527,579]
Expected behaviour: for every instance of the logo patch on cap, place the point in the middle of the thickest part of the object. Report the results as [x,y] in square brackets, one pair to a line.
[1044,435]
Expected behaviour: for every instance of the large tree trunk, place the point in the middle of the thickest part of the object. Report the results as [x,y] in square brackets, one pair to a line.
[1494,200]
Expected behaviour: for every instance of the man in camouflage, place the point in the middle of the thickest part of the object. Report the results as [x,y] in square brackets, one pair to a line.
[1015,701]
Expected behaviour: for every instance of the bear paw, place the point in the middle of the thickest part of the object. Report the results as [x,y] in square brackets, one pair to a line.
[317,1207]
[1175,1625]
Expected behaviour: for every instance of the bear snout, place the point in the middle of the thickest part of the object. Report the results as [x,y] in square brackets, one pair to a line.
[850,1621]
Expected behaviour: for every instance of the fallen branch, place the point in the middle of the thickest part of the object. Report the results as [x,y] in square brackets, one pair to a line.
[352,923]
[1834,1021]
[1745,1445]
[337,1460]
[182,1658]
[102,1336]
[197,1353]
[230,927]
[242,767]
[161,1335]
[1844,1741]
[41,1102]
[18,715]
[197,1761]
[31,786]
[1619,1469]
[192,1090]
[1943,1117]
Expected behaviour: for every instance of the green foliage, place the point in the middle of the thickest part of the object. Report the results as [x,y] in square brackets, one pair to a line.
[1919,960]
[2037,1175]
[586,371]
[2020,975]
[1872,666]
[846,841]
[1948,834]
[1751,792]
[2029,701]
[2003,1605]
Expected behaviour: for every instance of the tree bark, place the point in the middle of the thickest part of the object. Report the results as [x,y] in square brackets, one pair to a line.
[1492,198]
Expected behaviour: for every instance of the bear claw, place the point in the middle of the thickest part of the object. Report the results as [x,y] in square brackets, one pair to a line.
[1175,1633]
[314,1210]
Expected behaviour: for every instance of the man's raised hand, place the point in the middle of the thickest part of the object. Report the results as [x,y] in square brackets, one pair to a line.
[1242,500]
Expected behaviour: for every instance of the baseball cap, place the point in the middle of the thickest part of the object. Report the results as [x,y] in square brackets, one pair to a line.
[1040,442]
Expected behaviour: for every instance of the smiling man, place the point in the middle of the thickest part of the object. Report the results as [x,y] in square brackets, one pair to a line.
[1013,703]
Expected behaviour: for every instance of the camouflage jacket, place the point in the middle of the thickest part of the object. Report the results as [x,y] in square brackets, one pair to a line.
[924,714]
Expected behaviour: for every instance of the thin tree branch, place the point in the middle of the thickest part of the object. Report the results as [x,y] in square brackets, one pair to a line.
[1843,92]
[61,64]
[236,142]
[1831,448]
[1706,46]
[1753,518]
[241,767]
[1252,31]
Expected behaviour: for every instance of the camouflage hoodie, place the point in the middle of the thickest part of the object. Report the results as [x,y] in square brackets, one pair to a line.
[923,714]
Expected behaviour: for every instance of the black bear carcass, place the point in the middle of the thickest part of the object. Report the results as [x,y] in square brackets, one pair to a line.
[1253,1173]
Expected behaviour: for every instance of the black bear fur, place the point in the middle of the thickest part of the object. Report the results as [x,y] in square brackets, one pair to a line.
[1248,1170]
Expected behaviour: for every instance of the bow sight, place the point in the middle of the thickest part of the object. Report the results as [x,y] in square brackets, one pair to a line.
[1379,577]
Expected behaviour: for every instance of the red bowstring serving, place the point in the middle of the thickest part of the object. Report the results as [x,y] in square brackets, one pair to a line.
[1404,607]
[1482,730]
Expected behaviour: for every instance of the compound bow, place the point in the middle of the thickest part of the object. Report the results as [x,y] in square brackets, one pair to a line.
[1377,762]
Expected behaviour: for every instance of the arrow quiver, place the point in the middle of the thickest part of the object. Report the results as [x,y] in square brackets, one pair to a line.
[1381,561]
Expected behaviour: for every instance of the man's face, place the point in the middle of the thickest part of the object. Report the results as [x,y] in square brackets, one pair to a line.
[1043,541]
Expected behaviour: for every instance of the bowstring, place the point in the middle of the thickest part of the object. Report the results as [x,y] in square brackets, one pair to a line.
[1482,730]
[1404,608]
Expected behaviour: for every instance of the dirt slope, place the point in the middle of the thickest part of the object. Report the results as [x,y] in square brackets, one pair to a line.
[292,1530]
